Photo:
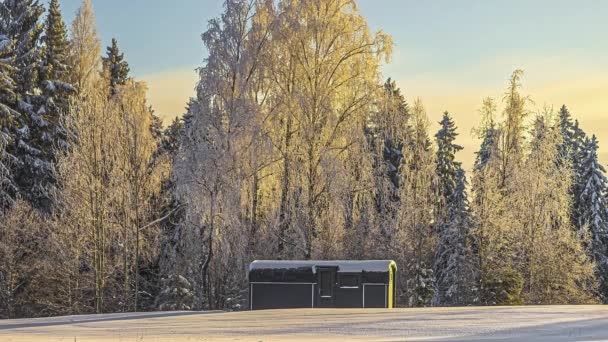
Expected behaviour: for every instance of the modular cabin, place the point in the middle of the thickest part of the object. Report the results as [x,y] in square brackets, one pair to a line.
[280,284]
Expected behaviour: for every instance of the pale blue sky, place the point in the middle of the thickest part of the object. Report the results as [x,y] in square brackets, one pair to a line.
[449,53]
[159,35]
[155,35]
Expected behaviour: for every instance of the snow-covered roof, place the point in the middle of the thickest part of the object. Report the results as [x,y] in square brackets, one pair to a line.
[342,265]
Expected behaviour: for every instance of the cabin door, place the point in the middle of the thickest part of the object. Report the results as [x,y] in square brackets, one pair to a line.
[326,284]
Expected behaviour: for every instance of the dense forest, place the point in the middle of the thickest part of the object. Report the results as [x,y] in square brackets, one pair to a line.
[294,147]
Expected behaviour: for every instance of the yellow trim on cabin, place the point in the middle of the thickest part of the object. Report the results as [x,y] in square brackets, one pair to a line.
[392,267]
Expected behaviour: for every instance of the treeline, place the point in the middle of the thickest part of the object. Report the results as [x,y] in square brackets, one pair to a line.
[292,148]
[84,162]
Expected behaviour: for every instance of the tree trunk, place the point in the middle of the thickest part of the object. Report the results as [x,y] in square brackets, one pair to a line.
[283,222]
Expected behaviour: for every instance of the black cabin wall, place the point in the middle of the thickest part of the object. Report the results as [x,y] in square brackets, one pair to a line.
[297,285]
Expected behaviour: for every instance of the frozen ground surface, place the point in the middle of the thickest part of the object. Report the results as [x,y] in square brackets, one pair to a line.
[531,323]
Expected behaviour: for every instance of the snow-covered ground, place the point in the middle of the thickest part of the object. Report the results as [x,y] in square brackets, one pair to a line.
[531,323]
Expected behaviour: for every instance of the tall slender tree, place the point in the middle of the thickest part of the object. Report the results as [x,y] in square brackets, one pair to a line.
[452,265]
[415,239]
[388,132]
[512,145]
[84,50]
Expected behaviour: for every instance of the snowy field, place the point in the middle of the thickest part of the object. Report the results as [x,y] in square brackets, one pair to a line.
[532,323]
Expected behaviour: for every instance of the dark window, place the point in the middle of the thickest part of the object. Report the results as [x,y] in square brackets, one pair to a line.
[349,280]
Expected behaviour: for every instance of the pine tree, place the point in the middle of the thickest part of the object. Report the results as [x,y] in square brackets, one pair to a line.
[594,210]
[8,115]
[489,133]
[9,120]
[54,74]
[48,134]
[116,67]
[454,266]
[578,182]
[487,148]
[567,147]
[21,23]
[388,132]
[452,258]
[571,152]
[8,187]
[447,167]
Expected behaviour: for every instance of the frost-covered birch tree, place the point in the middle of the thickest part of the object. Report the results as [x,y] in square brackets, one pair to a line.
[336,61]
[89,177]
[549,255]
[512,142]
[84,49]
[208,170]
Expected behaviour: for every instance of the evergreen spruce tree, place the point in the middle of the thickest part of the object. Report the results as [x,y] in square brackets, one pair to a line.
[20,22]
[579,142]
[447,167]
[9,119]
[487,148]
[48,134]
[579,152]
[54,71]
[572,151]
[455,272]
[115,66]
[567,147]
[387,132]
[392,136]
[594,211]
[8,115]
[171,136]
[452,258]
[489,133]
